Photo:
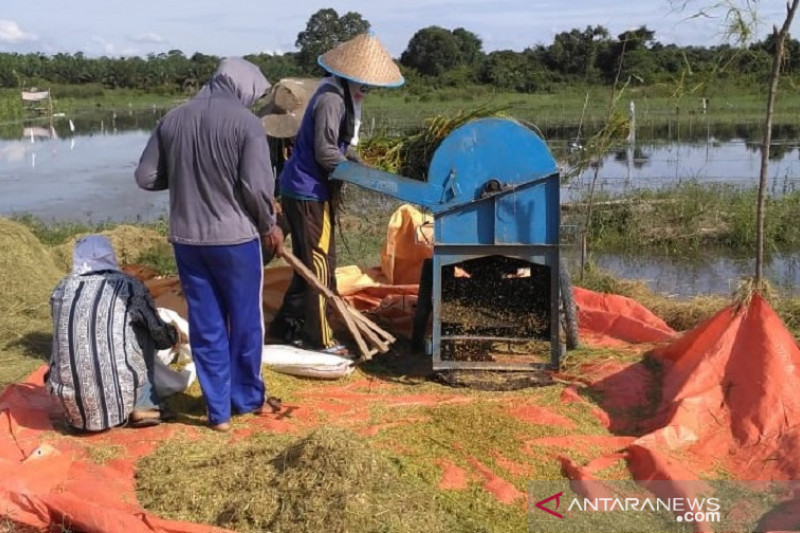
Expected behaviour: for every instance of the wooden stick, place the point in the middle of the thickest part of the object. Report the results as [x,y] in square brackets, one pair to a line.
[309,276]
[362,346]
[382,345]
[355,321]
[373,328]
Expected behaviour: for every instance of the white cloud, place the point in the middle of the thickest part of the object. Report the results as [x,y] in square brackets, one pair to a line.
[111,50]
[105,46]
[148,37]
[10,32]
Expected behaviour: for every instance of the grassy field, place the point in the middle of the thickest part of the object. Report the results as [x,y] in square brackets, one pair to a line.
[73,99]
[688,219]
[564,106]
[561,107]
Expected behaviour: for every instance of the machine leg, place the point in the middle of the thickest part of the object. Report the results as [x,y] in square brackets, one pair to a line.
[424,306]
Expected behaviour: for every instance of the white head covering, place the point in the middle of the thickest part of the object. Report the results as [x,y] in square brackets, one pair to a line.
[93,253]
[338,82]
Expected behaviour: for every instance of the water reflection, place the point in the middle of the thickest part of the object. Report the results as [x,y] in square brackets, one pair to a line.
[81,168]
[659,165]
[86,123]
[686,130]
[713,273]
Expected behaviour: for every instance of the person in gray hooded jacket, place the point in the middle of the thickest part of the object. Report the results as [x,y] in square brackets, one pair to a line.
[212,155]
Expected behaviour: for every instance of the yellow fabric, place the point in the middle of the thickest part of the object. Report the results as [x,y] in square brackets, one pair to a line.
[325,235]
[409,240]
[351,279]
[321,271]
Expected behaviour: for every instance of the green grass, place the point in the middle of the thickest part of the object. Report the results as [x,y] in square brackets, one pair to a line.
[688,219]
[55,233]
[71,99]
[361,227]
[559,106]
[563,105]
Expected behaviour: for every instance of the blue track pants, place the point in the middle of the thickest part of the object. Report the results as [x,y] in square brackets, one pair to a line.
[222,286]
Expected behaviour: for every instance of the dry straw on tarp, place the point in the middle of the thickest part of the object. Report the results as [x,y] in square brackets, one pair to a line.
[330,480]
[27,274]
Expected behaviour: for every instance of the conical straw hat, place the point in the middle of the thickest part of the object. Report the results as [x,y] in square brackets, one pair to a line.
[286,104]
[363,59]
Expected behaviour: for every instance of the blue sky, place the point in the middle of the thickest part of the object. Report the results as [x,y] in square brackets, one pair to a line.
[139,27]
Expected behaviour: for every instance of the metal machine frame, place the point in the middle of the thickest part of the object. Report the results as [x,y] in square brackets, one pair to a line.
[494,189]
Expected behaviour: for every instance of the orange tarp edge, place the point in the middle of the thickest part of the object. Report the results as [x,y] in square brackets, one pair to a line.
[729,393]
[612,320]
[46,483]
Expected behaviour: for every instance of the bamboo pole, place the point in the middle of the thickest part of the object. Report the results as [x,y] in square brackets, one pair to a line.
[358,324]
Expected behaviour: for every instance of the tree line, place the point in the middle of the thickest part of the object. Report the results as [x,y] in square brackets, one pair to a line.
[434,57]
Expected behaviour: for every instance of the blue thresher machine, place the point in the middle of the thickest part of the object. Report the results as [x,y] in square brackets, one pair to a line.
[493,189]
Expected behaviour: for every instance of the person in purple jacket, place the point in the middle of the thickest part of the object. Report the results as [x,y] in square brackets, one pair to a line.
[328,135]
[212,155]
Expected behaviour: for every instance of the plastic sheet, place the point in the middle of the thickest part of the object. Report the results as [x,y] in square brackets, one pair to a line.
[731,392]
[409,240]
[725,395]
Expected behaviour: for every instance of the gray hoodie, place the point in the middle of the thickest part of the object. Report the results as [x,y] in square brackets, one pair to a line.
[212,155]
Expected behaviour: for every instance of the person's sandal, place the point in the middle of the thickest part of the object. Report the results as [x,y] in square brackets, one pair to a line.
[275,405]
[144,418]
[223,427]
[166,414]
[338,349]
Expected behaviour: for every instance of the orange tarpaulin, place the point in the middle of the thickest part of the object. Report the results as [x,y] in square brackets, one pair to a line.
[409,240]
[731,390]
[610,319]
[46,481]
[727,395]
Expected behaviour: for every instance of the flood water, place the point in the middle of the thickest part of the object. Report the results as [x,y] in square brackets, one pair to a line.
[711,273]
[661,164]
[82,170]
[81,175]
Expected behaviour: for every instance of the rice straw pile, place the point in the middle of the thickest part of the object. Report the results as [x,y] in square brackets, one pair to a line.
[27,276]
[129,242]
[410,156]
[330,480]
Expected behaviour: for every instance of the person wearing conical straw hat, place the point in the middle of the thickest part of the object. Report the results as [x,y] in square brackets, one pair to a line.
[327,136]
[281,116]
